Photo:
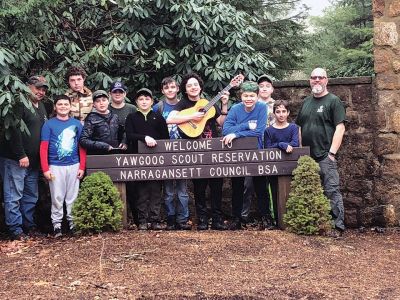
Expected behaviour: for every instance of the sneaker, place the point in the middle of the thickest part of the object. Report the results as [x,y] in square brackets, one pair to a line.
[57,233]
[72,230]
[245,220]
[143,226]
[251,224]
[170,227]
[267,223]
[71,226]
[33,232]
[183,226]
[218,226]
[235,225]
[203,224]
[335,233]
[156,226]
[132,226]
[19,237]
[170,223]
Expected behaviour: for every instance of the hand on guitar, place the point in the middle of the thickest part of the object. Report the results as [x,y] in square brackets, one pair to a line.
[150,142]
[228,138]
[224,107]
[225,98]
[197,116]
[237,80]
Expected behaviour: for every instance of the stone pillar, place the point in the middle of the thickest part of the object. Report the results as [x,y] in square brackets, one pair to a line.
[386,147]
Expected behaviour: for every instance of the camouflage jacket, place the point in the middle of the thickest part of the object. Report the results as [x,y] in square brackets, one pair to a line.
[81,103]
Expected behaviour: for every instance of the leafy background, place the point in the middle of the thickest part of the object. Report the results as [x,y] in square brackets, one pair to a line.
[142,41]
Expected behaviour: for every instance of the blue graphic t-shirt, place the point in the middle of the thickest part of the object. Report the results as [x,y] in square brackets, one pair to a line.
[63,138]
[172,128]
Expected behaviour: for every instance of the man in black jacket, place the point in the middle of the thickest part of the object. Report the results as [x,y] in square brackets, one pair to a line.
[21,162]
[101,132]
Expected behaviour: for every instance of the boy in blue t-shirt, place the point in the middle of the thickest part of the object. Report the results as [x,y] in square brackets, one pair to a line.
[177,217]
[62,160]
[282,135]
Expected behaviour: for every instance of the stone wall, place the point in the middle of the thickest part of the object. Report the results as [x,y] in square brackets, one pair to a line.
[387,68]
[365,180]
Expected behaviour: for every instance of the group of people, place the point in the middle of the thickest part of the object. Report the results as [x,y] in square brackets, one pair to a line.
[85,123]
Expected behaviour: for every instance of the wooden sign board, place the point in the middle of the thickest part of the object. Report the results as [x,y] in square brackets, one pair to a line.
[199,171]
[199,145]
[193,158]
[203,158]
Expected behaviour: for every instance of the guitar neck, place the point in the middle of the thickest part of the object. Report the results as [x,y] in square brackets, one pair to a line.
[216,98]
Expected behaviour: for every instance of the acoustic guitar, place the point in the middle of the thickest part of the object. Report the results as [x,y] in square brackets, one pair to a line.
[195,128]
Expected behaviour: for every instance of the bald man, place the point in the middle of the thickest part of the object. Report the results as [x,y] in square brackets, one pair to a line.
[321,118]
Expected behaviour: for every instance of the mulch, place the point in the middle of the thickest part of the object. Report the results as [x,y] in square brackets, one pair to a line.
[246,264]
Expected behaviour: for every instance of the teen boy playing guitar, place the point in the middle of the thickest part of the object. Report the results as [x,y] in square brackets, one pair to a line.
[185,113]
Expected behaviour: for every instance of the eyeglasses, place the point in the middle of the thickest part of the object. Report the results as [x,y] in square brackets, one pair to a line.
[317,77]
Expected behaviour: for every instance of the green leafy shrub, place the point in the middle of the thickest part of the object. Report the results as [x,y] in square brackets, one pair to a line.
[99,206]
[308,209]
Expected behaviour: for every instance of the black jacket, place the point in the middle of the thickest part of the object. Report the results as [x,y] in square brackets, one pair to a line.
[22,143]
[100,132]
[138,126]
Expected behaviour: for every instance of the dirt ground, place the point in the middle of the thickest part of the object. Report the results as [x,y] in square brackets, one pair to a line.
[203,265]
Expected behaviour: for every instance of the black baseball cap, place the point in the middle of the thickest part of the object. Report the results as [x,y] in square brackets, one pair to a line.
[99,93]
[143,91]
[118,85]
[38,81]
[264,77]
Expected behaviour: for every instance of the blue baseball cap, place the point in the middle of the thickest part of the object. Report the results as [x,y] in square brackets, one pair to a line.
[118,85]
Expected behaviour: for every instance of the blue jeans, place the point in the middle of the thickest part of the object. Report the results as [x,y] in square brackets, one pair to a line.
[20,196]
[330,182]
[182,209]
